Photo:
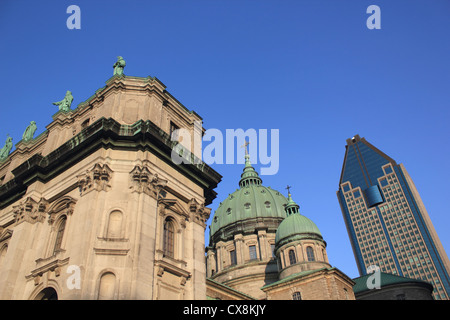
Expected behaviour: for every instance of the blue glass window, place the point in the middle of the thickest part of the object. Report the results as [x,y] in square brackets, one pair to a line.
[356,194]
[346,188]
[383,182]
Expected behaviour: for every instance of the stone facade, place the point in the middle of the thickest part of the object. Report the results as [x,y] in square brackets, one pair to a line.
[94,208]
[245,274]
[319,284]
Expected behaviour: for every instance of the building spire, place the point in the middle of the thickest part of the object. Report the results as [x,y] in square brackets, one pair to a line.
[249,176]
[291,205]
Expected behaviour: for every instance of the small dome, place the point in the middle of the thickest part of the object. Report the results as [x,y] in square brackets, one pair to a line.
[295,226]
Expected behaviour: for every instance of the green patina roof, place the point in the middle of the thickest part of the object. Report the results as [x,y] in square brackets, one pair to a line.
[386,279]
[251,200]
[295,225]
[294,276]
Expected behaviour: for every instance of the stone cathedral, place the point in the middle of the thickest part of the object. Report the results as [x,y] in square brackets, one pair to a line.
[95,208]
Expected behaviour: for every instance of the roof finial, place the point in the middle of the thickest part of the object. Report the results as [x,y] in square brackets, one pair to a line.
[289,190]
[245,146]
[249,176]
[291,206]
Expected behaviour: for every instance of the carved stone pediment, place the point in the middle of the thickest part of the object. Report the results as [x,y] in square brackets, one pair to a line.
[142,180]
[173,205]
[30,210]
[63,206]
[98,178]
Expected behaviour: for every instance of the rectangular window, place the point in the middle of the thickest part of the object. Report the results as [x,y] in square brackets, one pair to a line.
[233,257]
[252,252]
[173,133]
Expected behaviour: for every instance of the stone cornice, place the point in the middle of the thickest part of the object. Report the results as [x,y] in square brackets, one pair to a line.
[107,133]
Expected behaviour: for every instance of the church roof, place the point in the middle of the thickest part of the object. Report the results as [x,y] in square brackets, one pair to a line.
[386,279]
[295,226]
[297,276]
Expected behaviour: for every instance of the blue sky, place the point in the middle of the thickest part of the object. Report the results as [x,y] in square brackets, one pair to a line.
[311,69]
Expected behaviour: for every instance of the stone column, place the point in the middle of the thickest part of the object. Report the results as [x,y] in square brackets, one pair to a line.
[239,245]
[263,245]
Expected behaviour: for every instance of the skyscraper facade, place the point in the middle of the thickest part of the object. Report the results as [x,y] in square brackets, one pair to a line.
[388,225]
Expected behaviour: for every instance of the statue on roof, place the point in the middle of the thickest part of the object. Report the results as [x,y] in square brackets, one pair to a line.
[4,152]
[29,131]
[118,66]
[64,104]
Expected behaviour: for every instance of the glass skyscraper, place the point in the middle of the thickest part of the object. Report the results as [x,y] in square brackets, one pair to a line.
[386,219]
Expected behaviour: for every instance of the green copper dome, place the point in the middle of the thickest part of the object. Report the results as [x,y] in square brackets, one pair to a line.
[251,206]
[295,226]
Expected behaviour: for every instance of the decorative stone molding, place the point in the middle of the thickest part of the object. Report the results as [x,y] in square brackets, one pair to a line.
[30,211]
[200,214]
[111,251]
[46,265]
[174,206]
[63,206]
[98,178]
[171,267]
[142,180]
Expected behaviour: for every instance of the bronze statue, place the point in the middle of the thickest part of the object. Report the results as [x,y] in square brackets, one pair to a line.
[118,66]
[4,152]
[29,131]
[65,103]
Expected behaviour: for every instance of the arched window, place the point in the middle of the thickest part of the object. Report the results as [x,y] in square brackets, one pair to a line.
[114,224]
[169,238]
[310,254]
[107,286]
[61,226]
[47,294]
[296,296]
[292,259]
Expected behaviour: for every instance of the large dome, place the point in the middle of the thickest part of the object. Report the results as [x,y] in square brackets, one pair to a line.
[251,206]
[249,202]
